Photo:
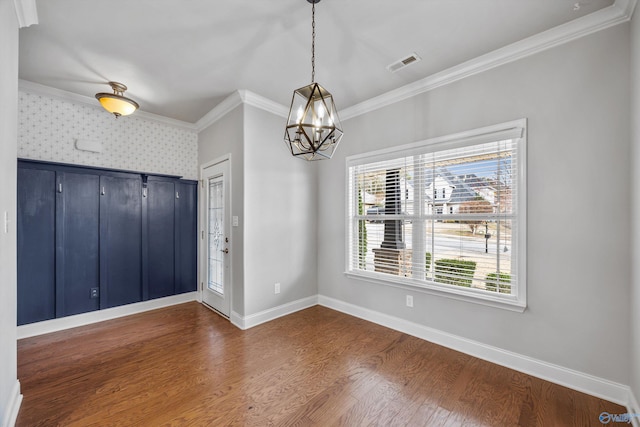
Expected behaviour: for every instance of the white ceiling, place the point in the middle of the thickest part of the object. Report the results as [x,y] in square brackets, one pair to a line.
[181,58]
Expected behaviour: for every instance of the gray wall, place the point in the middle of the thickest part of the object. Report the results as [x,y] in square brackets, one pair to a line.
[8,144]
[635,144]
[280,216]
[274,196]
[224,137]
[576,100]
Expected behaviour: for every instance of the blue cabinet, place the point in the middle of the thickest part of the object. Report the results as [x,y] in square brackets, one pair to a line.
[171,256]
[161,229]
[186,236]
[120,240]
[36,245]
[92,239]
[77,239]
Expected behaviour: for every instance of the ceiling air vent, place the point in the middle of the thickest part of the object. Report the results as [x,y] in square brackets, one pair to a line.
[404,62]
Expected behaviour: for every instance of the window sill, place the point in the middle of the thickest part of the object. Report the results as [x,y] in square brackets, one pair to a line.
[462,294]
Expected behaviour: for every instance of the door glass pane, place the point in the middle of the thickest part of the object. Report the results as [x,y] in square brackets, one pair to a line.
[216,227]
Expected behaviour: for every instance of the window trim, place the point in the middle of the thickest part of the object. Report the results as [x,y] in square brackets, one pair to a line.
[508,130]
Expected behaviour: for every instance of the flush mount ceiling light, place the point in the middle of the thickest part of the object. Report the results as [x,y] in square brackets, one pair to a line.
[116,103]
[313,128]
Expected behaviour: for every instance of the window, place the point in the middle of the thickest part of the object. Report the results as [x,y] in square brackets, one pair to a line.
[476,250]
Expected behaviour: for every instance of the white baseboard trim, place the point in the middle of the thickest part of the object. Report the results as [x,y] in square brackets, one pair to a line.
[54,325]
[237,320]
[13,406]
[589,384]
[586,383]
[256,319]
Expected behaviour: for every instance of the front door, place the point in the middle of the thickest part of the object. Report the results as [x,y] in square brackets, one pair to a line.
[216,243]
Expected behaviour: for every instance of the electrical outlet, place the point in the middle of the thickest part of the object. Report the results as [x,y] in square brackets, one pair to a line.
[409,301]
[95,293]
[276,288]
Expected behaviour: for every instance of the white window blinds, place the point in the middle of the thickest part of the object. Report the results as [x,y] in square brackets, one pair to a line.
[443,215]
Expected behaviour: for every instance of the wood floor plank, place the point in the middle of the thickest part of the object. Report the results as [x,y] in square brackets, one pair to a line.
[186,366]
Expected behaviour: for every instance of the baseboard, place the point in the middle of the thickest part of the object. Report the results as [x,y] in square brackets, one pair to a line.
[54,325]
[246,322]
[586,383]
[589,384]
[237,320]
[13,406]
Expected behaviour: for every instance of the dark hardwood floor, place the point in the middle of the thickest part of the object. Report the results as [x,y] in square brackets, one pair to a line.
[186,366]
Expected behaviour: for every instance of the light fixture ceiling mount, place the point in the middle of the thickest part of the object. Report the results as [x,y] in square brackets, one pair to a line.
[116,103]
[313,129]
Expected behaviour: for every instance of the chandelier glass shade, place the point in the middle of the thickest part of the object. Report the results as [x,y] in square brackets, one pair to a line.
[116,103]
[313,129]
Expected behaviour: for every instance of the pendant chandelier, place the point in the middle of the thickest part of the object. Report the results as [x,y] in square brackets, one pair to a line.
[313,128]
[116,103]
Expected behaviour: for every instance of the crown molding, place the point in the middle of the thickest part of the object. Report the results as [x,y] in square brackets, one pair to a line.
[226,106]
[255,100]
[27,12]
[234,100]
[627,6]
[39,89]
[621,11]
[166,120]
[219,111]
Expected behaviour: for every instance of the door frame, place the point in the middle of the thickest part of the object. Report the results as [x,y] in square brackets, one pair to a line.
[202,226]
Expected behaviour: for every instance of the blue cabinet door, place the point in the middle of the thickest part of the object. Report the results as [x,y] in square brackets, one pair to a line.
[120,240]
[90,239]
[36,245]
[77,243]
[186,237]
[161,200]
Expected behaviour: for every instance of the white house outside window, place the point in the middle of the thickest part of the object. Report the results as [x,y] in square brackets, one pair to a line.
[470,242]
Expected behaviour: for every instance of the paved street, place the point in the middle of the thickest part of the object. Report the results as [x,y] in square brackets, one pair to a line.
[449,245]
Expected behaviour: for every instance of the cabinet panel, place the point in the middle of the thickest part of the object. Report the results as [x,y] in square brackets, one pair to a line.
[82,229]
[36,245]
[77,243]
[187,237]
[161,238]
[120,240]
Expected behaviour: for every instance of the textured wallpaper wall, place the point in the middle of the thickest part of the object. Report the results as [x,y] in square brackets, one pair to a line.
[48,129]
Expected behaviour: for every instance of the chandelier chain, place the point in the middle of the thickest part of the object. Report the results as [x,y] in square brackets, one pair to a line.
[313,42]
